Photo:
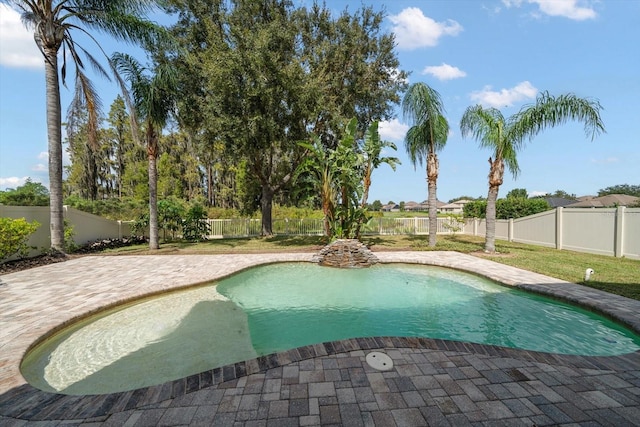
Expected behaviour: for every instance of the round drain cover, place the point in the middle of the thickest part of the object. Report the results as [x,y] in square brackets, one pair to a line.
[379,361]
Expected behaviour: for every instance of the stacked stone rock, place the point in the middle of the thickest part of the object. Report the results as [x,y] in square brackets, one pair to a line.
[346,253]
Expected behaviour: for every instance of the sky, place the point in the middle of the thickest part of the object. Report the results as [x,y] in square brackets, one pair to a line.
[496,53]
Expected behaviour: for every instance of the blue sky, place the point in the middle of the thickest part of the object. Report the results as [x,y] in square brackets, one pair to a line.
[498,53]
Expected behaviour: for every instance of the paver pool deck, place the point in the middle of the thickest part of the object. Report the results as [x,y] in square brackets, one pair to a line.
[433,382]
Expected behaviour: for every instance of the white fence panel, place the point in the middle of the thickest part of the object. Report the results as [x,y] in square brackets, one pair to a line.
[300,227]
[414,226]
[538,229]
[631,233]
[502,229]
[589,230]
[88,227]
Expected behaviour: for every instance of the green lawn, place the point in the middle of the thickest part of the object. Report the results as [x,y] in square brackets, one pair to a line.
[616,275]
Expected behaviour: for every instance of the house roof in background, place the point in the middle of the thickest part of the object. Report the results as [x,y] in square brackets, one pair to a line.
[609,200]
[556,202]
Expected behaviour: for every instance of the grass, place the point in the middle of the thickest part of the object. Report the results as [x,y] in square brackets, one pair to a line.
[615,275]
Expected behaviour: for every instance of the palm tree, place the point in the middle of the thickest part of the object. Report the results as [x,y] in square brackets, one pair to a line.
[153,101]
[54,24]
[505,137]
[427,135]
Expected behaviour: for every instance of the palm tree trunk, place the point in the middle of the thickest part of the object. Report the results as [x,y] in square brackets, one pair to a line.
[496,175]
[152,154]
[54,133]
[432,178]
[490,236]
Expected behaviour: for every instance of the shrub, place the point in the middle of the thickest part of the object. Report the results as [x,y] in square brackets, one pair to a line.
[170,212]
[507,208]
[14,234]
[194,228]
[454,224]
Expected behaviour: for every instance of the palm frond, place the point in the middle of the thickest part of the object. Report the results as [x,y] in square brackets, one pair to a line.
[423,108]
[87,99]
[414,144]
[550,111]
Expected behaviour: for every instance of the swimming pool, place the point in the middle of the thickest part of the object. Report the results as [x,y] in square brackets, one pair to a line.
[282,306]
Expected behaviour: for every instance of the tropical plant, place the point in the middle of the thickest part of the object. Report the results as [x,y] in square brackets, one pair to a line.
[55,25]
[153,99]
[317,171]
[423,108]
[372,148]
[343,177]
[505,137]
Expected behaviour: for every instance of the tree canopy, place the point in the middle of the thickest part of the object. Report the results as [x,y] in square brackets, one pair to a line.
[630,190]
[259,76]
[29,194]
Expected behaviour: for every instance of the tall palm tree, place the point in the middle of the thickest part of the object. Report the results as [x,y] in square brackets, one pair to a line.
[505,137]
[153,100]
[55,24]
[423,108]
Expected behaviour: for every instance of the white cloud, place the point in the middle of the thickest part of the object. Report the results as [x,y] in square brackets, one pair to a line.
[43,155]
[578,10]
[39,168]
[444,72]
[13,182]
[17,47]
[414,30]
[537,193]
[505,97]
[392,130]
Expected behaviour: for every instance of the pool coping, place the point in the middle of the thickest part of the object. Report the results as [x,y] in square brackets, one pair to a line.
[34,302]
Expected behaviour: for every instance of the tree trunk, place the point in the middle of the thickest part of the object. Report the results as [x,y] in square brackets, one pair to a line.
[432,178]
[266,204]
[54,133]
[152,153]
[496,174]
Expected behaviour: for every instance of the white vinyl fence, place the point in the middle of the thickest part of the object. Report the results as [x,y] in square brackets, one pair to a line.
[604,231]
[227,228]
[86,227]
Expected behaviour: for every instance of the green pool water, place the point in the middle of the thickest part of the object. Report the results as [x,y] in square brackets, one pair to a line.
[282,306]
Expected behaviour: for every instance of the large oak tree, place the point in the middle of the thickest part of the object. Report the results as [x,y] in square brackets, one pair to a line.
[260,76]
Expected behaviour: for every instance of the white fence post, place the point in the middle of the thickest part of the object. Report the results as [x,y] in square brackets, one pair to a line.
[510,230]
[559,227]
[619,233]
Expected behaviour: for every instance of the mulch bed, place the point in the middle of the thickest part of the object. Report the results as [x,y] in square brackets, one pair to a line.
[53,256]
